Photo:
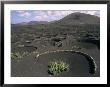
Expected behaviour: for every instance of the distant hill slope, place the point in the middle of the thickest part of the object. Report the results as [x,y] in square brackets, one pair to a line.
[79,18]
[37,22]
[32,23]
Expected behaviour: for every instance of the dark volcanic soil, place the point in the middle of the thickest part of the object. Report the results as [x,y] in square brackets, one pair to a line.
[38,67]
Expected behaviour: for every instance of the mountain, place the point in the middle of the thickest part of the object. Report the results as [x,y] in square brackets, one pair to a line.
[37,22]
[32,23]
[22,23]
[78,18]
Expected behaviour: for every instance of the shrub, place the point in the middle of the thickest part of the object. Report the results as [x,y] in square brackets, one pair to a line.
[18,55]
[57,67]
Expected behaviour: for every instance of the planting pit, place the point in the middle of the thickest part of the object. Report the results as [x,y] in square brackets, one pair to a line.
[80,65]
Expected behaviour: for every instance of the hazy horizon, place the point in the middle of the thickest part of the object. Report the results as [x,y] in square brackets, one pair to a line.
[19,16]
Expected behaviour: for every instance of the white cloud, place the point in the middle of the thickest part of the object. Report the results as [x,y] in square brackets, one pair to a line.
[58,13]
[20,11]
[91,12]
[24,14]
[41,18]
[50,15]
[97,13]
[40,13]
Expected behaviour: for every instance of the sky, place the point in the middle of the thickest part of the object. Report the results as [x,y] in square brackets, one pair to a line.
[18,16]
